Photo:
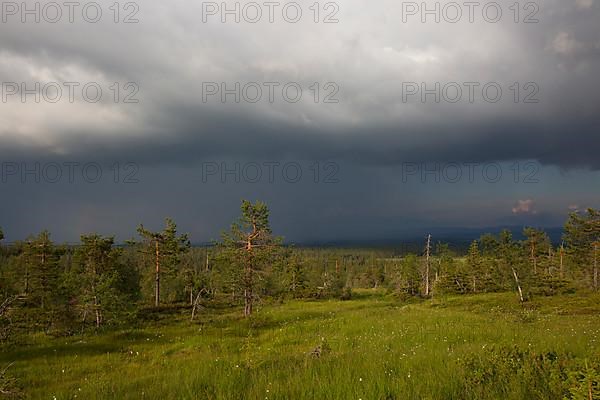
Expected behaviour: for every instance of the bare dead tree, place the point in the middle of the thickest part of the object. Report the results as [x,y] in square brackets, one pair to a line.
[207,268]
[5,307]
[427,264]
[518,284]
[6,304]
[8,384]
[197,301]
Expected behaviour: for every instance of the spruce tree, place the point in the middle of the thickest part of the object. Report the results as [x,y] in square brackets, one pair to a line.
[475,267]
[582,237]
[41,259]
[295,275]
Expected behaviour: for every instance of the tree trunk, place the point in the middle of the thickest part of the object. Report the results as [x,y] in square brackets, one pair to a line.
[97,310]
[195,304]
[43,256]
[94,292]
[595,266]
[427,249]
[247,302]
[157,279]
[248,290]
[533,258]
[562,251]
[248,279]
[518,285]
[26,279]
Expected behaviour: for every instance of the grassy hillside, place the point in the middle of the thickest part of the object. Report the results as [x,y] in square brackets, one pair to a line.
[370,347]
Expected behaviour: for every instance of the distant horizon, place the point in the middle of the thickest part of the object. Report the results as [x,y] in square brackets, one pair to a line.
[450,235]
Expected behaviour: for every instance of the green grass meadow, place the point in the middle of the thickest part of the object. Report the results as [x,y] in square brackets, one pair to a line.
[370,347]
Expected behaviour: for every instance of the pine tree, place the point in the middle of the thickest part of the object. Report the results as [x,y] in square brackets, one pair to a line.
[101,290]
[537,244]
[165,248]
[249,247]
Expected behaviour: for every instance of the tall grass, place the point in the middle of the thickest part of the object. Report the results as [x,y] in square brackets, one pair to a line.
[376,348]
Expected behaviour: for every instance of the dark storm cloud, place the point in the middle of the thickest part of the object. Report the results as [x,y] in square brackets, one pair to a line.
[369,54]
[192,137]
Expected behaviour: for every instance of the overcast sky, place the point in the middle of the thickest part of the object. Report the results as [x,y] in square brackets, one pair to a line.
[373,122]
